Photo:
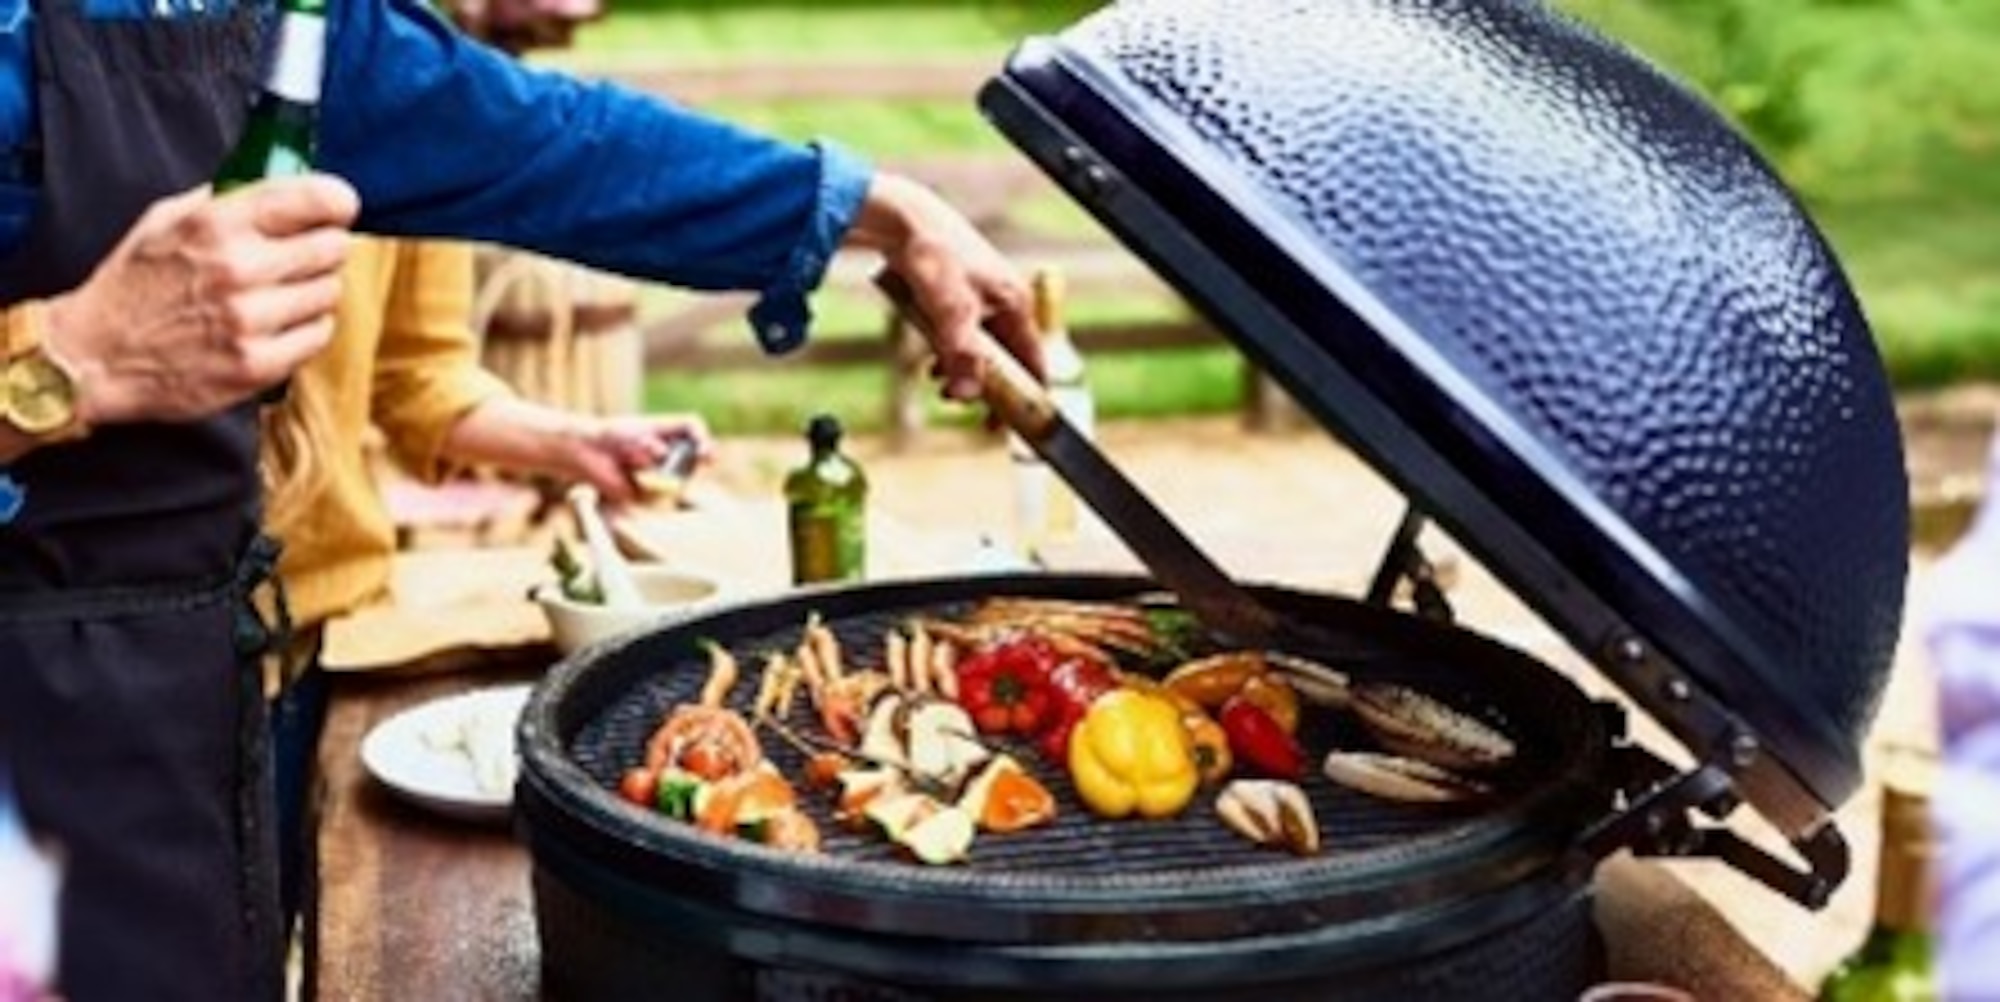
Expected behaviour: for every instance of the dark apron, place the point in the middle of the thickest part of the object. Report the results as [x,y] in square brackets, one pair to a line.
[129,710]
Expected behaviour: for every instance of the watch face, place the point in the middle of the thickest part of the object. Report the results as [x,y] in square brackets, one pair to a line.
[40,397]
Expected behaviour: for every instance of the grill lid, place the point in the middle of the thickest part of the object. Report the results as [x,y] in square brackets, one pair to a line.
[1552,296]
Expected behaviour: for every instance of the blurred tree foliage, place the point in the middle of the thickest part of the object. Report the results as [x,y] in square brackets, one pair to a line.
[1020,17]
[1743,53]
[1851,98]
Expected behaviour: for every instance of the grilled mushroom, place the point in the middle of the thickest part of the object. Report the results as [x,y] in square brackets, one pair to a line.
[934,833]
[860,788]
[1408,723]
[1270,812]
[1319,684]
[943,835]
[1408,780]
[939,742]
[879,740]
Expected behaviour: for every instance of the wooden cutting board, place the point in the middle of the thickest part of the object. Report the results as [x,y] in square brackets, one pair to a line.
[443,600]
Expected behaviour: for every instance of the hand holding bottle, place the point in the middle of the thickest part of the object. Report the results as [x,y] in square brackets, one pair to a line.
[207,300]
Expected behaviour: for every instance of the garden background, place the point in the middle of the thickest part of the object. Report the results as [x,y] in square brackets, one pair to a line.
[1881,113]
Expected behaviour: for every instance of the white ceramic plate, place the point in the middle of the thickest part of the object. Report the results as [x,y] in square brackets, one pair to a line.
[454,755]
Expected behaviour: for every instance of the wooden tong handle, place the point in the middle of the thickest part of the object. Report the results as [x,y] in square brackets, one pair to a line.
[1016,396]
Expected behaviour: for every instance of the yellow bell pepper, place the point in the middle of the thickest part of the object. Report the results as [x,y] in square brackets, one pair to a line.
[1130,754]
[1206,739]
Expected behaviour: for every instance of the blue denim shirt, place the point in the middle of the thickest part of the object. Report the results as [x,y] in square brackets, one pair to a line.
[445,137]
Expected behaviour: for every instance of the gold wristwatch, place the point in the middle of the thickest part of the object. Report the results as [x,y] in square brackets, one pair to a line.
[38,391]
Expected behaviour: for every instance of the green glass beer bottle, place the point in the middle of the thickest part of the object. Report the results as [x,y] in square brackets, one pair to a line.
[279,138]
[1895,962]
[827,502]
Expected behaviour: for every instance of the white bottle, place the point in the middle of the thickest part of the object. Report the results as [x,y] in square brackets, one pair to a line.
[1045,509]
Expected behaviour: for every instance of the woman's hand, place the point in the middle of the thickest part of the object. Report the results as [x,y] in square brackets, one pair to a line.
[605,452]
[615,454]
[961,282]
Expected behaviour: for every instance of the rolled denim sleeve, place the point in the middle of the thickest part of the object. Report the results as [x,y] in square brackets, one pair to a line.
[445,137]
[781,316]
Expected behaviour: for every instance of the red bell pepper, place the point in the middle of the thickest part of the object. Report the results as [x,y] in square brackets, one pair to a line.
[1258,741]
[1076,683]
[1006,688]
[1054,742]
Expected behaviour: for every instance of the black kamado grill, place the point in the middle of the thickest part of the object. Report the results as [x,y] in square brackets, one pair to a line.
[1552,297]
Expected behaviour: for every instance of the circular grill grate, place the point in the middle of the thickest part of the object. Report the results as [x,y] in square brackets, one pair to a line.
[1550,722]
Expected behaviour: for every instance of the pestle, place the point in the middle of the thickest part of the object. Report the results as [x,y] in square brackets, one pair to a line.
[613,577]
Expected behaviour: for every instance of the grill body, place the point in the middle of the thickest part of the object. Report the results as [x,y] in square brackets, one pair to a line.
[1441,903]
[604,938]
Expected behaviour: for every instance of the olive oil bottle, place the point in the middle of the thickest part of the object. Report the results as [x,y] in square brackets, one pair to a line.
[827,501]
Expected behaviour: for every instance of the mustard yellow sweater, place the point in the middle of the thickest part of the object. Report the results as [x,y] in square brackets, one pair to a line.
[404,358]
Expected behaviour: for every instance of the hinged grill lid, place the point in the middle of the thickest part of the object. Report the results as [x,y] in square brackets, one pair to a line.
[1554,297]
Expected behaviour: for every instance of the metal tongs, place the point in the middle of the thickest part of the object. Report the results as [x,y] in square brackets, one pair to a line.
[1215,599]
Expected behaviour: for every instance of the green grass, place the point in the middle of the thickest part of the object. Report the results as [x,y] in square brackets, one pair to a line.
[881,130]
[841,314]
[1929,275]
[781,396]
[1878,111]
[708,31]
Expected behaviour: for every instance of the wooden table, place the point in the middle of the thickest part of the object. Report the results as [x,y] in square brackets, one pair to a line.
[414,906]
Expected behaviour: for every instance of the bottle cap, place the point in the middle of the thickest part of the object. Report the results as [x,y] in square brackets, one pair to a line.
[823,431]
[666,479]
[1047,285]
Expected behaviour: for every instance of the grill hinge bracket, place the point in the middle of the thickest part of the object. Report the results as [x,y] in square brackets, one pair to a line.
[1658,818]
[1404,561]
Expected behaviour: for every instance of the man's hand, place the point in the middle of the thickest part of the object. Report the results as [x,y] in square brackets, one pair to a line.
[207,300]
[961,282]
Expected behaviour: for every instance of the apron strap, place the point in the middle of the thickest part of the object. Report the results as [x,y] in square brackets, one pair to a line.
[261,629]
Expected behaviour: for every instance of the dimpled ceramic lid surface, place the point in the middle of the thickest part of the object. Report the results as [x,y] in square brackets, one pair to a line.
[1564,273]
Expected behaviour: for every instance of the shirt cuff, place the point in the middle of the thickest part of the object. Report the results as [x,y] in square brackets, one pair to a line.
[427,420]
[781,315]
